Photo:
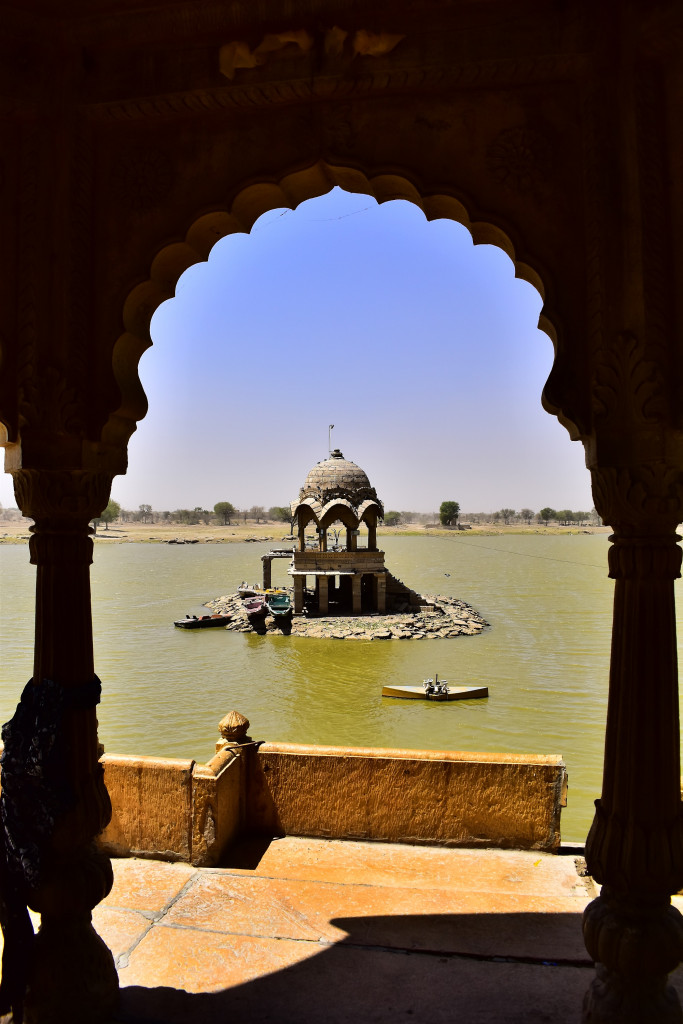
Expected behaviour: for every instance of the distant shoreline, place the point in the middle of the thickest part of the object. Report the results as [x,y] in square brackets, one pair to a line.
[163,533]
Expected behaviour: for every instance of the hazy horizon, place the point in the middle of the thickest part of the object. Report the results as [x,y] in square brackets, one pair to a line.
[420,347]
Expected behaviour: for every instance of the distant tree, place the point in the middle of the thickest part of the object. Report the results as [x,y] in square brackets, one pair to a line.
[546,514]
[506,515]
[527,515]
[256,512]
[449,512]
[280,513]
[145,511]
[565,516]
[111,512]
[581,518]
[392,518]
[186,516]
[225,510]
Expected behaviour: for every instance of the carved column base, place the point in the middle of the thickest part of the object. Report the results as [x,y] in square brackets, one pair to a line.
[612,1000]
[636,942]
[73,977]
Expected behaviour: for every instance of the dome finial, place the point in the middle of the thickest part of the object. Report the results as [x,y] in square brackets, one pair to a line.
[336,454]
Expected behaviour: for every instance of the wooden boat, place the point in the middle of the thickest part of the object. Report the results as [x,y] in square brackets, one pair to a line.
[255,606]
[202,621]
[278,604]
[245,590]
[435,690]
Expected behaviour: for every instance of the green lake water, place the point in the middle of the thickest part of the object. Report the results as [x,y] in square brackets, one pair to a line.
[544,658]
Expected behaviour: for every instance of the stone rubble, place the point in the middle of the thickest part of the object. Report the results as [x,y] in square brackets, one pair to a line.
[441,617]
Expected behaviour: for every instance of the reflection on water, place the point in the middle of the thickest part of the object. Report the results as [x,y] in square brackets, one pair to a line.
[545,658]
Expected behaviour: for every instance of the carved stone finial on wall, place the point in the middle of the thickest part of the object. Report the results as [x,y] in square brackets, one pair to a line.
[233,728]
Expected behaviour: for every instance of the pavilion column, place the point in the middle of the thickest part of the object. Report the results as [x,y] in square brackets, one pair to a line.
[356,581]
[323,595]
[372,537]
[267,572]
[635,845]
[381,585]
[299,582]
[72,975]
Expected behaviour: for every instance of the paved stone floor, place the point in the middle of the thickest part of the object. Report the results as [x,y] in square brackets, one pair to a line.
[306,930]
[315,930]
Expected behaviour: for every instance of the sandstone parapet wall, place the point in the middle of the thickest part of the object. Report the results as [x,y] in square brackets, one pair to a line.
[176,809]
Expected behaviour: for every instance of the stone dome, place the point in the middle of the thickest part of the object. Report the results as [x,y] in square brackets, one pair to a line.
[338,477]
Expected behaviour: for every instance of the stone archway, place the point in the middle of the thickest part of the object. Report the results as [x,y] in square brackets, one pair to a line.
[251,203]
[552,122]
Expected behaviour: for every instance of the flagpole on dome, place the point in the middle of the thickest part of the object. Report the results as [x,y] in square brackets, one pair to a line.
[329,438]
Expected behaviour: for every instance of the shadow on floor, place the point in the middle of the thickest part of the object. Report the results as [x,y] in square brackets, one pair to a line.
[377,975]
[247,853]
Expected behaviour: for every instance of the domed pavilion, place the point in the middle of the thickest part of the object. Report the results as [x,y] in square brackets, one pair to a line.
[352,577]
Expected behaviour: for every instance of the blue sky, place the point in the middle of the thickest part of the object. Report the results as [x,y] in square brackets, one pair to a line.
[422,349]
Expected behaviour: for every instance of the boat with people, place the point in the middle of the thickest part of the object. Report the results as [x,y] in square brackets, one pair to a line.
[435,689]
[202,621]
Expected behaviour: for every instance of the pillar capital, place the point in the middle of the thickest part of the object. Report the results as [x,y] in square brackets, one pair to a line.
[643,499]
[61,496]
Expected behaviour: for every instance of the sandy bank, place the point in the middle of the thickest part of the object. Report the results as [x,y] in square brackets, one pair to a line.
[160,533]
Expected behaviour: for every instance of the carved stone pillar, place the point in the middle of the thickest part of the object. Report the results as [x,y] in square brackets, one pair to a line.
[356,583]
[381,585]
[299,583]
[635,845]
[73,975]
[267,572]
[323,595]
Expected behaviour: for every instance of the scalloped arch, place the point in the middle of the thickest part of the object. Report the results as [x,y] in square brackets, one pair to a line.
[339,509]
[250,204]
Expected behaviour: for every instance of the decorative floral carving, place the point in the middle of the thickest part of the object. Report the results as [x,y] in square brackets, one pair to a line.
[628,387]
[48,402]
[340,133]
[648,497]
[45,494]
[238,53]
[144,178]
[520,159]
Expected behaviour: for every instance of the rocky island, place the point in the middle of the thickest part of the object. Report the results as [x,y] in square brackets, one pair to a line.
[438,617]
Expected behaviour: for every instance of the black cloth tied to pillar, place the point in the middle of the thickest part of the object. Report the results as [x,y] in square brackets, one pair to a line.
[35,793]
